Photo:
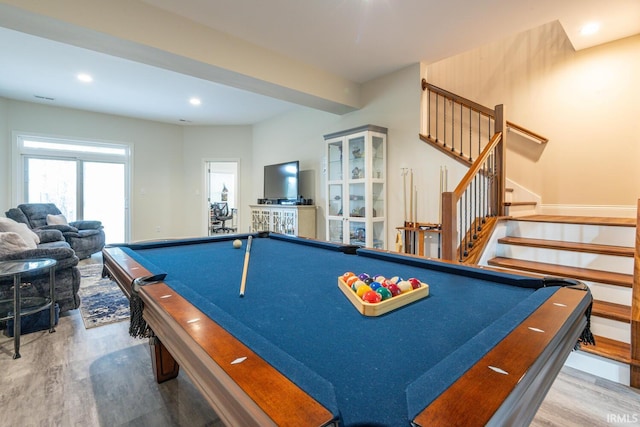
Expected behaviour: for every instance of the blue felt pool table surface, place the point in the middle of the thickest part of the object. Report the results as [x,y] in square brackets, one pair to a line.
[366,370]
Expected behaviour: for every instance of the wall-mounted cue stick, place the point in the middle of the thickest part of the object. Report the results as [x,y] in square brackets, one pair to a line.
[404,194]
[411,197]
[246,266]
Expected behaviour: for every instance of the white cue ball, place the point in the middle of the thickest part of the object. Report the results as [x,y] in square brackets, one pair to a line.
[237,243]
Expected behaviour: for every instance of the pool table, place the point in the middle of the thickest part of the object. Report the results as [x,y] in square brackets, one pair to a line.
[482,348]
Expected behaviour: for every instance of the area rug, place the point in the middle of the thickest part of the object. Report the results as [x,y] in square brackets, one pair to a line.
[102,301]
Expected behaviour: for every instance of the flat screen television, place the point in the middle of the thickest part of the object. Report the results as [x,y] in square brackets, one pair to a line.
[281,181]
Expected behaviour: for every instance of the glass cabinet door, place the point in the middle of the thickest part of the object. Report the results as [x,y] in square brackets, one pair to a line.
[334,161]
[357,232]
[356,158]
[357,200]
[377,199]
[336,232]
[377,158]
[356,186]
[335,200]
[378,236]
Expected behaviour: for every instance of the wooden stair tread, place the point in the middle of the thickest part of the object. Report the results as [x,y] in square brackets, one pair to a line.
[586,220]
[520,203]
[569,246]
[609,348]
[598,276]
[612,311]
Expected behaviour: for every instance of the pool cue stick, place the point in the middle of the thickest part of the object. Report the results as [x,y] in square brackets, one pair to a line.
[246,266]
[411,197]
[415,207]
[404,194]
[440,199]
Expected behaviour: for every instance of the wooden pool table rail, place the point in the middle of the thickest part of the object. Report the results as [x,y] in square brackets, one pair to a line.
[254,393]
[531,358]
[251,393]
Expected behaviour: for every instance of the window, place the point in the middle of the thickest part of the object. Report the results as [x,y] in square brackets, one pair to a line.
[85,180]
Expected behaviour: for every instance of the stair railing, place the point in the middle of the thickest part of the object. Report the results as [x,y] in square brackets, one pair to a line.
[474,135]
[461,127]
[478,196]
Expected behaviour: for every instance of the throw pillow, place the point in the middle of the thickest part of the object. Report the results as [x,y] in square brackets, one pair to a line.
[56,219]
[30,238]
[11,242]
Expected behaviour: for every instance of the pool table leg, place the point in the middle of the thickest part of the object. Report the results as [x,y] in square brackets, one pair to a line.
[164,365]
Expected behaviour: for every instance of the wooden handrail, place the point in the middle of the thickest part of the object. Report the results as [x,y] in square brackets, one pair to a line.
[483,110]
[459,99]
[526,132]
[477,165]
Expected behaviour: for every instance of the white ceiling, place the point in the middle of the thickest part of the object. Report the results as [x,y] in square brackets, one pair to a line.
[355,39]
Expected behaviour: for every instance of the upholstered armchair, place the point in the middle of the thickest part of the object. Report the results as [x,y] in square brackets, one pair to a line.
[18,242]
[84,237]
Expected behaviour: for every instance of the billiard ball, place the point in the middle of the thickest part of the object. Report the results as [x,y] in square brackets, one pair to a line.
[384,293]
[362,290]
[405,286]
[415,283]
[358,283]
[237,243]
[375,285]
[346,275]
[379,278]
[371,297]
[394,289]
[351,280]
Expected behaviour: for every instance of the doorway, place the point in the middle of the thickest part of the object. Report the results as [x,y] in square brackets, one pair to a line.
[222,187]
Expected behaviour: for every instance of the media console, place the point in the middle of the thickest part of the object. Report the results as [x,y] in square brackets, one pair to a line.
[295,220]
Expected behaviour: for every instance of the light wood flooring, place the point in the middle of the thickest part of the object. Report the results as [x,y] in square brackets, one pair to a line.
[102,377]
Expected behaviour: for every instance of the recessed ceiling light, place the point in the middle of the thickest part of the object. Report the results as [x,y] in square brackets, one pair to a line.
[195,101]
[85,78]
[590,28]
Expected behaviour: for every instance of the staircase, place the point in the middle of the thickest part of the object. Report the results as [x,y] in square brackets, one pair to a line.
[482,224]
[597,251]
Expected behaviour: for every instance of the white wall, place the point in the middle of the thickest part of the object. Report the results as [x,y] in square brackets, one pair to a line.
[157,175]
[5,157]
[392,101]
[214,143]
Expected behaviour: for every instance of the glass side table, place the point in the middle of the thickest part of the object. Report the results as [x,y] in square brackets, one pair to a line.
[14,309]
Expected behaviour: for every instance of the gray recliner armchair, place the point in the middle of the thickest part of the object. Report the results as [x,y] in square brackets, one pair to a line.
[84,237]
[17,242]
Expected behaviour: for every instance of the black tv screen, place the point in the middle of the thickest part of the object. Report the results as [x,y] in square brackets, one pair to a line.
[281,181]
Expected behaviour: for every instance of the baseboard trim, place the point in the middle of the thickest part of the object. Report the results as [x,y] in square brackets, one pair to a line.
[599,366]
